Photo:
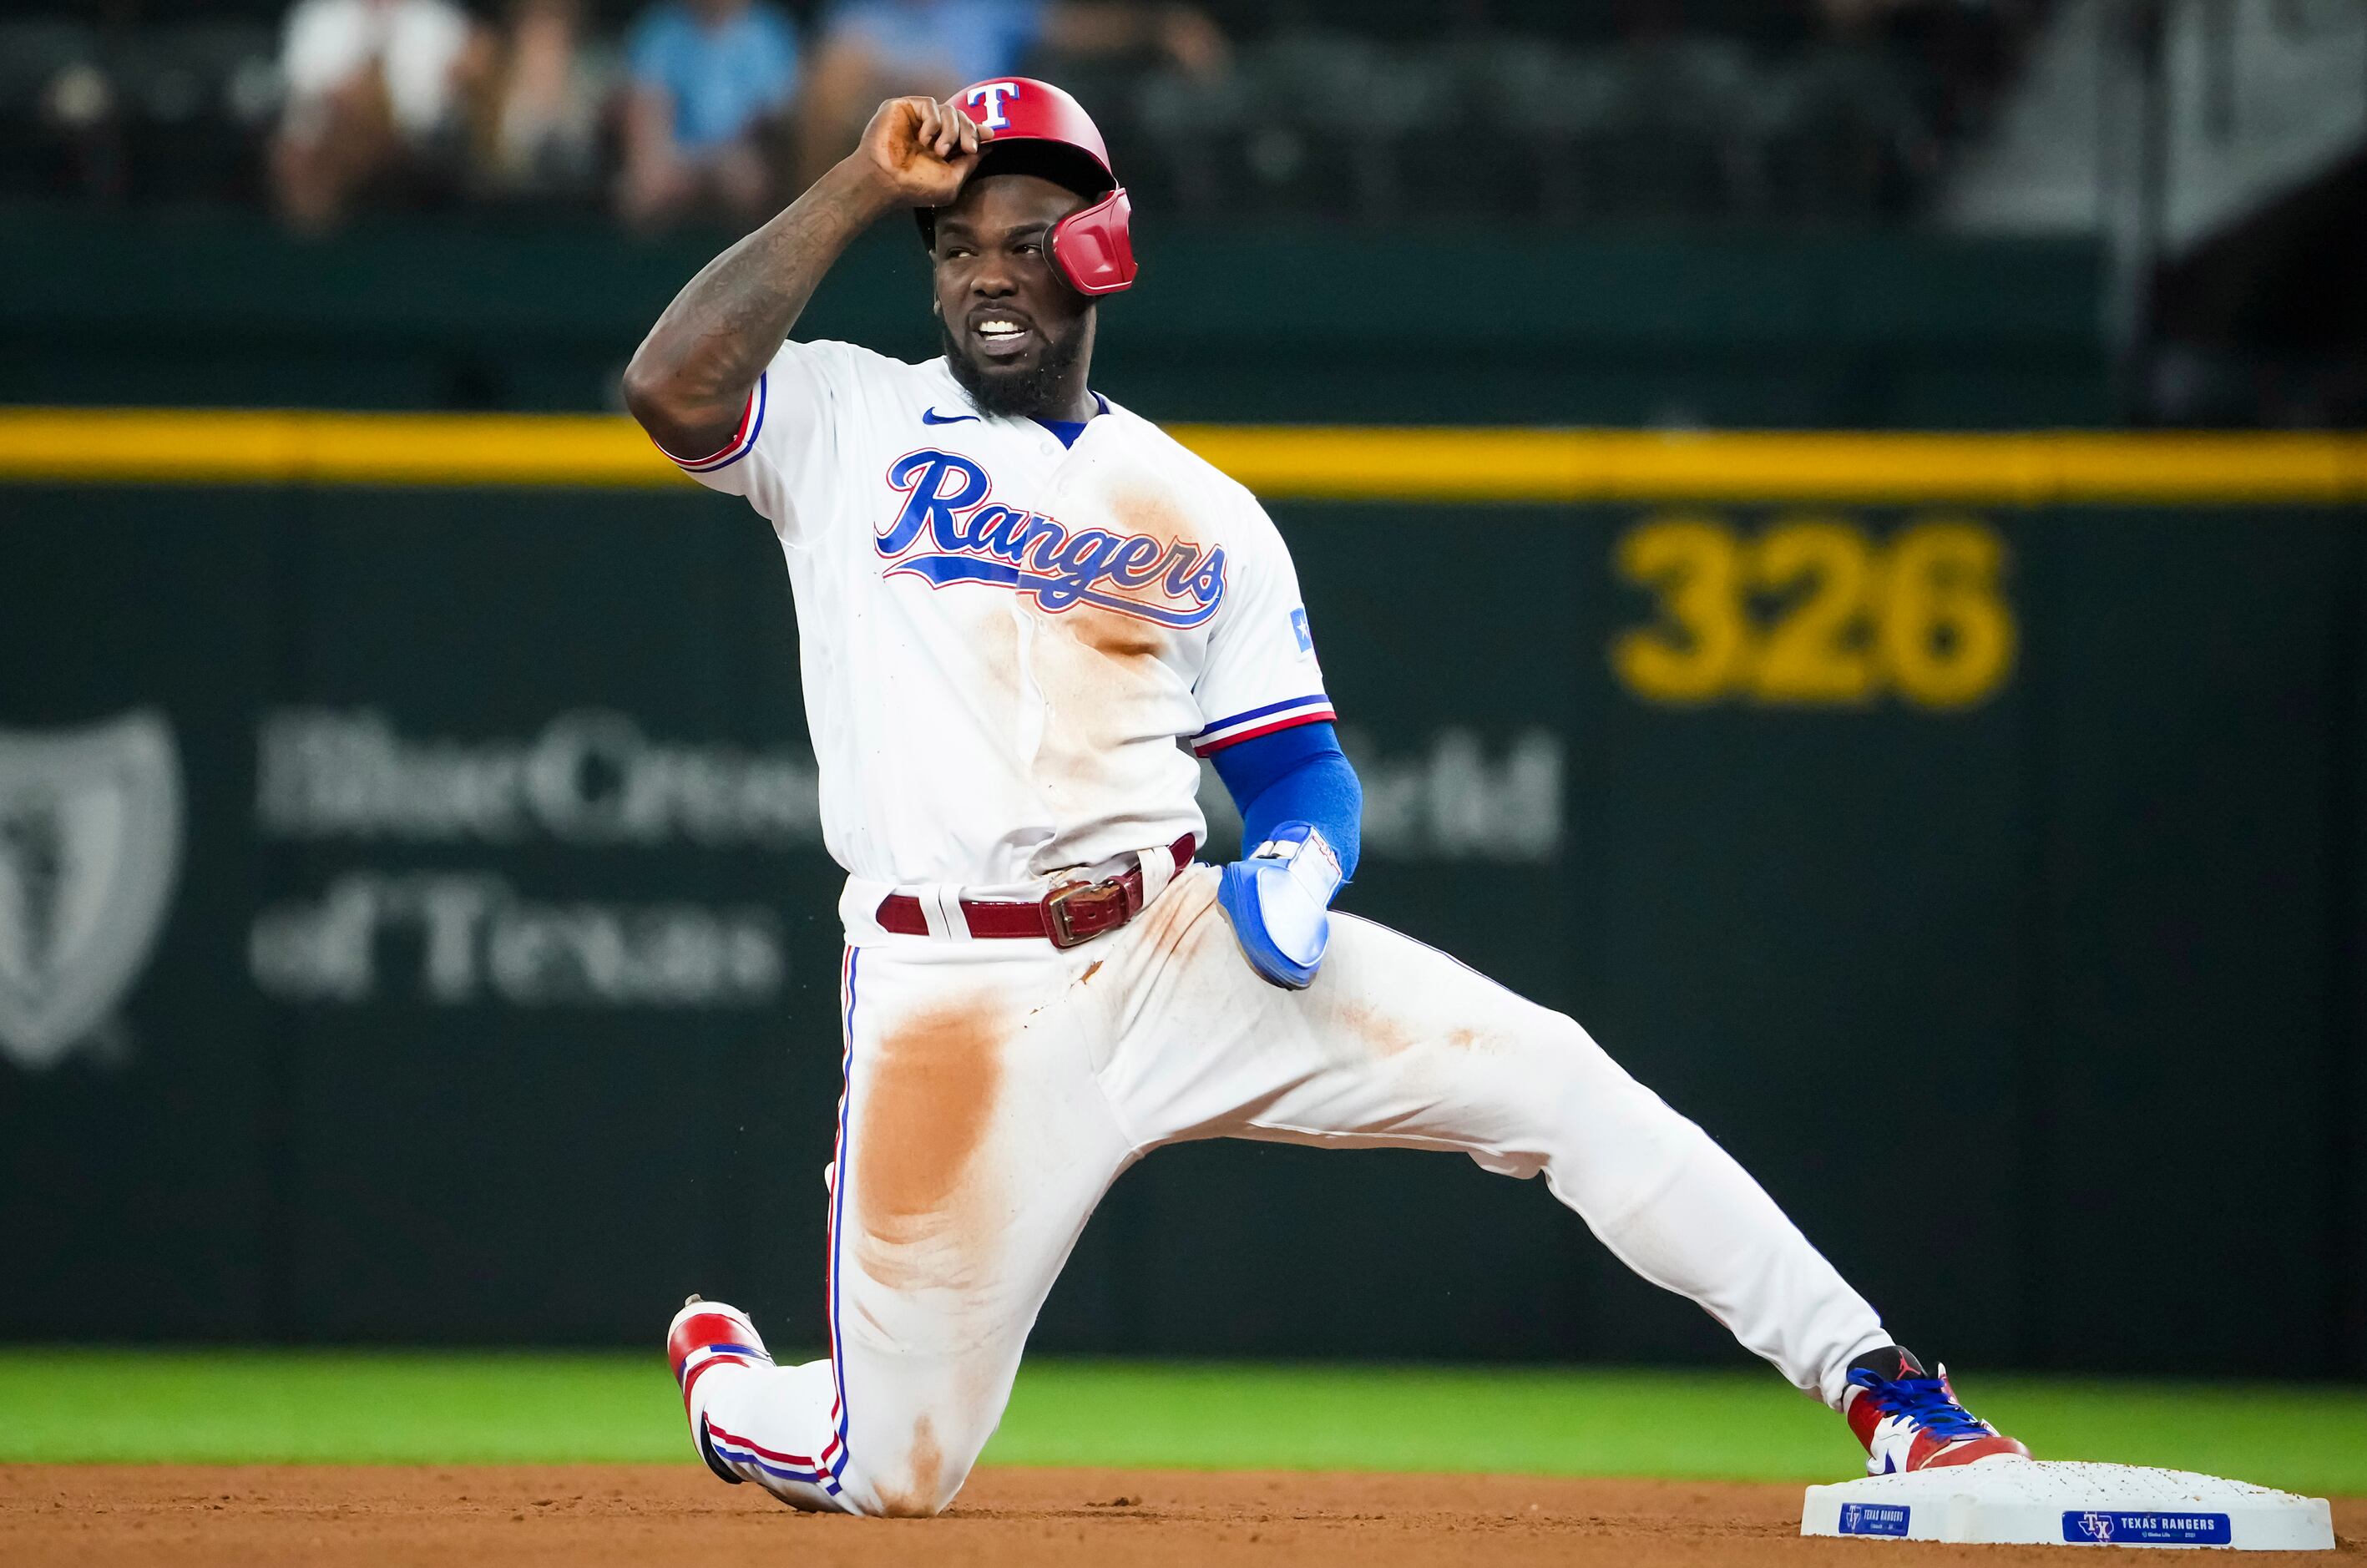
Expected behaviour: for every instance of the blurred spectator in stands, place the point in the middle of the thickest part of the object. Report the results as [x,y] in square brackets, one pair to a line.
[373,88]
[872,50]
[710,80]
[539,112]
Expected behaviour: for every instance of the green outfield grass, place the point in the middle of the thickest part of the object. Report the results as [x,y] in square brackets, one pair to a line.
[396,1408]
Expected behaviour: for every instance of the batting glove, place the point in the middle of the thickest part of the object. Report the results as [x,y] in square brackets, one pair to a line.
[1279,901]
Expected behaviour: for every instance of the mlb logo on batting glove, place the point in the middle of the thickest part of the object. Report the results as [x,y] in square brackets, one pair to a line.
[1279,901]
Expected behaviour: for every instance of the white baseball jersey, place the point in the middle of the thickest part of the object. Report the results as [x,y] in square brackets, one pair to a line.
[1004,638]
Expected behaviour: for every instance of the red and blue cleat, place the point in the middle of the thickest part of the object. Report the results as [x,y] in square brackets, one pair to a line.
[1909,1419]
[703,1336]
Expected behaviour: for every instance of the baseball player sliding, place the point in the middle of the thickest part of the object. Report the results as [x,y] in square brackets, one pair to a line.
[1014,598]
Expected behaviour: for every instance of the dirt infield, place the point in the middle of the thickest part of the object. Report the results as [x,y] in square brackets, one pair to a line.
[260,1518]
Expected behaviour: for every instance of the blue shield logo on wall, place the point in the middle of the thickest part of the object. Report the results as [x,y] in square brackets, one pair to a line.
[90,845]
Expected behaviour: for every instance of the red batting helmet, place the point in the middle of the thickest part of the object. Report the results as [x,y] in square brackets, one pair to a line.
[1040,130]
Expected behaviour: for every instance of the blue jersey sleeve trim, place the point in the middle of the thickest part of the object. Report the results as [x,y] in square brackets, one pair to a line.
[742,442]
[1255,722]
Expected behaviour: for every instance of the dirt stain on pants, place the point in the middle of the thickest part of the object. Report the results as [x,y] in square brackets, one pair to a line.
[920,1206]
[919,1501]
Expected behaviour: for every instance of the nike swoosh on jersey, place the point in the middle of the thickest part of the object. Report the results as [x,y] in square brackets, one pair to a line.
[931,416]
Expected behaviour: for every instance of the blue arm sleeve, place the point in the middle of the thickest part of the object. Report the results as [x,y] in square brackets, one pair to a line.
[1296,774]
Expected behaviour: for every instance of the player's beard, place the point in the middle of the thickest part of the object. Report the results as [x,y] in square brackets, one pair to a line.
[1030,394]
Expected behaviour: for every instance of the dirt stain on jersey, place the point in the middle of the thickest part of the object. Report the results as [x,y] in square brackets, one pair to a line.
[1106,686]
[993,637]
[935,1083]
[1142,511]
[1113,695]
[1115,636]
[919,1501]
[1107,653]
[997,643]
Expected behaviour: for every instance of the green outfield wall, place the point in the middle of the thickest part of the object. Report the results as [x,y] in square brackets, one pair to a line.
[1459,324]
[413,925]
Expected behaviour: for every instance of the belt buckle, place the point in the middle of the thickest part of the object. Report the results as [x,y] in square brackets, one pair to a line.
[1060,928]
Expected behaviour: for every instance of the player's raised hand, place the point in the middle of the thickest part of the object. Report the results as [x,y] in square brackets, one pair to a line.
[921,150]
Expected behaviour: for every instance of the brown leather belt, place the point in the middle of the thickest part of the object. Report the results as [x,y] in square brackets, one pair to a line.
[1070,914]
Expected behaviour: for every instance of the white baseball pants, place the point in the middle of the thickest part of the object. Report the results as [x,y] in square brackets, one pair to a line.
[995,1088]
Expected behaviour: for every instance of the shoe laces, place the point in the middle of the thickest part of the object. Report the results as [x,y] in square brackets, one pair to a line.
[1924,1402]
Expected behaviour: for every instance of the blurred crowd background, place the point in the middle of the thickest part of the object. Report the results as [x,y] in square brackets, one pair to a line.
[661,111]
[2208,146]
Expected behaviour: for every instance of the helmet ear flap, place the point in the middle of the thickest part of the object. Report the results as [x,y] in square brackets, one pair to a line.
[1093,247]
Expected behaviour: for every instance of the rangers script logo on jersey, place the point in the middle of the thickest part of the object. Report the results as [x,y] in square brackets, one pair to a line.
[971,540]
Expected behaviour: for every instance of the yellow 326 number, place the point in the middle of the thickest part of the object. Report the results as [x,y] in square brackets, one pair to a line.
[1817,612]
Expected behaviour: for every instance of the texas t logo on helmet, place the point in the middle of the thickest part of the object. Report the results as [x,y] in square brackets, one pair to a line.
[991,94]
[1040,130]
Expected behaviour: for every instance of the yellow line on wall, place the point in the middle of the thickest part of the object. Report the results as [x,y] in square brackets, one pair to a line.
[270,447]
[1313,463]
[1609,465]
